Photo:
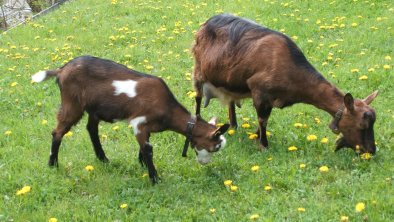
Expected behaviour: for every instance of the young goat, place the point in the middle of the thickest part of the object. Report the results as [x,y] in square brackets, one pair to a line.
[236,58]
[109,91]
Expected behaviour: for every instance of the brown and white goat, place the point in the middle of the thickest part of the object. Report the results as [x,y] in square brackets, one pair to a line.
[236,58]
[109,91]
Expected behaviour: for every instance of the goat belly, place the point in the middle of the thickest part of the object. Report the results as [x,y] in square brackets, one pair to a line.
[109,112]
[225,96]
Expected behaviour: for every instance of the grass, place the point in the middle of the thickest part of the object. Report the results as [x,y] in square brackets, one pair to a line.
[345,40]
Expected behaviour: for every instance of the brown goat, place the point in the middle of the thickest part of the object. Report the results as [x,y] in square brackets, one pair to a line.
[236,58]
[109,91]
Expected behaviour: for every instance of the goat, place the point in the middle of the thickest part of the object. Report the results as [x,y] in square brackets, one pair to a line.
[109,91]
[236,58]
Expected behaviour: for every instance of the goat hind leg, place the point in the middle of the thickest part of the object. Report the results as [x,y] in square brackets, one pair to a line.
[92,128]
[65,120]
[57,135]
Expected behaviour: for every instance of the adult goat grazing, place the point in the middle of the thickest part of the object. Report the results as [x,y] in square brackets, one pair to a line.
[109,91]
[236,58]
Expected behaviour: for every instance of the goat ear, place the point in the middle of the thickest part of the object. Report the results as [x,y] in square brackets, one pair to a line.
[371,97]
[221,130]
[349,102]
[213,121]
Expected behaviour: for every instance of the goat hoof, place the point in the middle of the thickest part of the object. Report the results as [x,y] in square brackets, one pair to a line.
[104,160]
[263,148]
[155,180]
[53,163]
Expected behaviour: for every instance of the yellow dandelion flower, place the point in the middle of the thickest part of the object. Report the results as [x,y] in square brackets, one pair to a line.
[317,120]
[366,156]
[8,132]
[104,136]
[255,168]
[14,84]
[123,206]
[344,218]
[24,190]
[228,183]
[354,24]
[297,125]
[311,137]
[323,169]
[231,132]
[191,94]
[354,70]
[68,134]
[267,188]
[145,175]
[269,158]
[357,149]
[292,148]
[387,57]
[212,210]
[52,219]
[301,209]
[89,168]
[371,70]
[360,207]
[253,136]
[44,122]
[386,67]
[245,119]
[363,77]
[254,217]
[115,128]
[233,188]
[302,165]
[324,140]
[245,125]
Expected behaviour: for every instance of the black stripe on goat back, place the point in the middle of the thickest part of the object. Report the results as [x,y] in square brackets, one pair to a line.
[300,59]
[236,26]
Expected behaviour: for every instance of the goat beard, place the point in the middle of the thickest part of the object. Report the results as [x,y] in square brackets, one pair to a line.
[342,143]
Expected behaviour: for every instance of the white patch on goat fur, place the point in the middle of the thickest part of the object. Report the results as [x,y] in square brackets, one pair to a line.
[203,156]
[39,76]
[125,86]
[137,121]
[223,141]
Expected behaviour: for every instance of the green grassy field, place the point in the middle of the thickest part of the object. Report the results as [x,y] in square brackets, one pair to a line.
[349,42]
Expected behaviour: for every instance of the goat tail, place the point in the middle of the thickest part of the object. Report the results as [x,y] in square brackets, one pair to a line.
[43,75]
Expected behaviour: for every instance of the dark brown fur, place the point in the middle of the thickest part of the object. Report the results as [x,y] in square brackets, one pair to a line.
[86,85]
[242,59]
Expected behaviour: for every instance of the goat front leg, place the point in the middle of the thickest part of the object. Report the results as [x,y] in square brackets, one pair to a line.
[146,156]
[92,128]
[231,115]
[263,112]
[198,88]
